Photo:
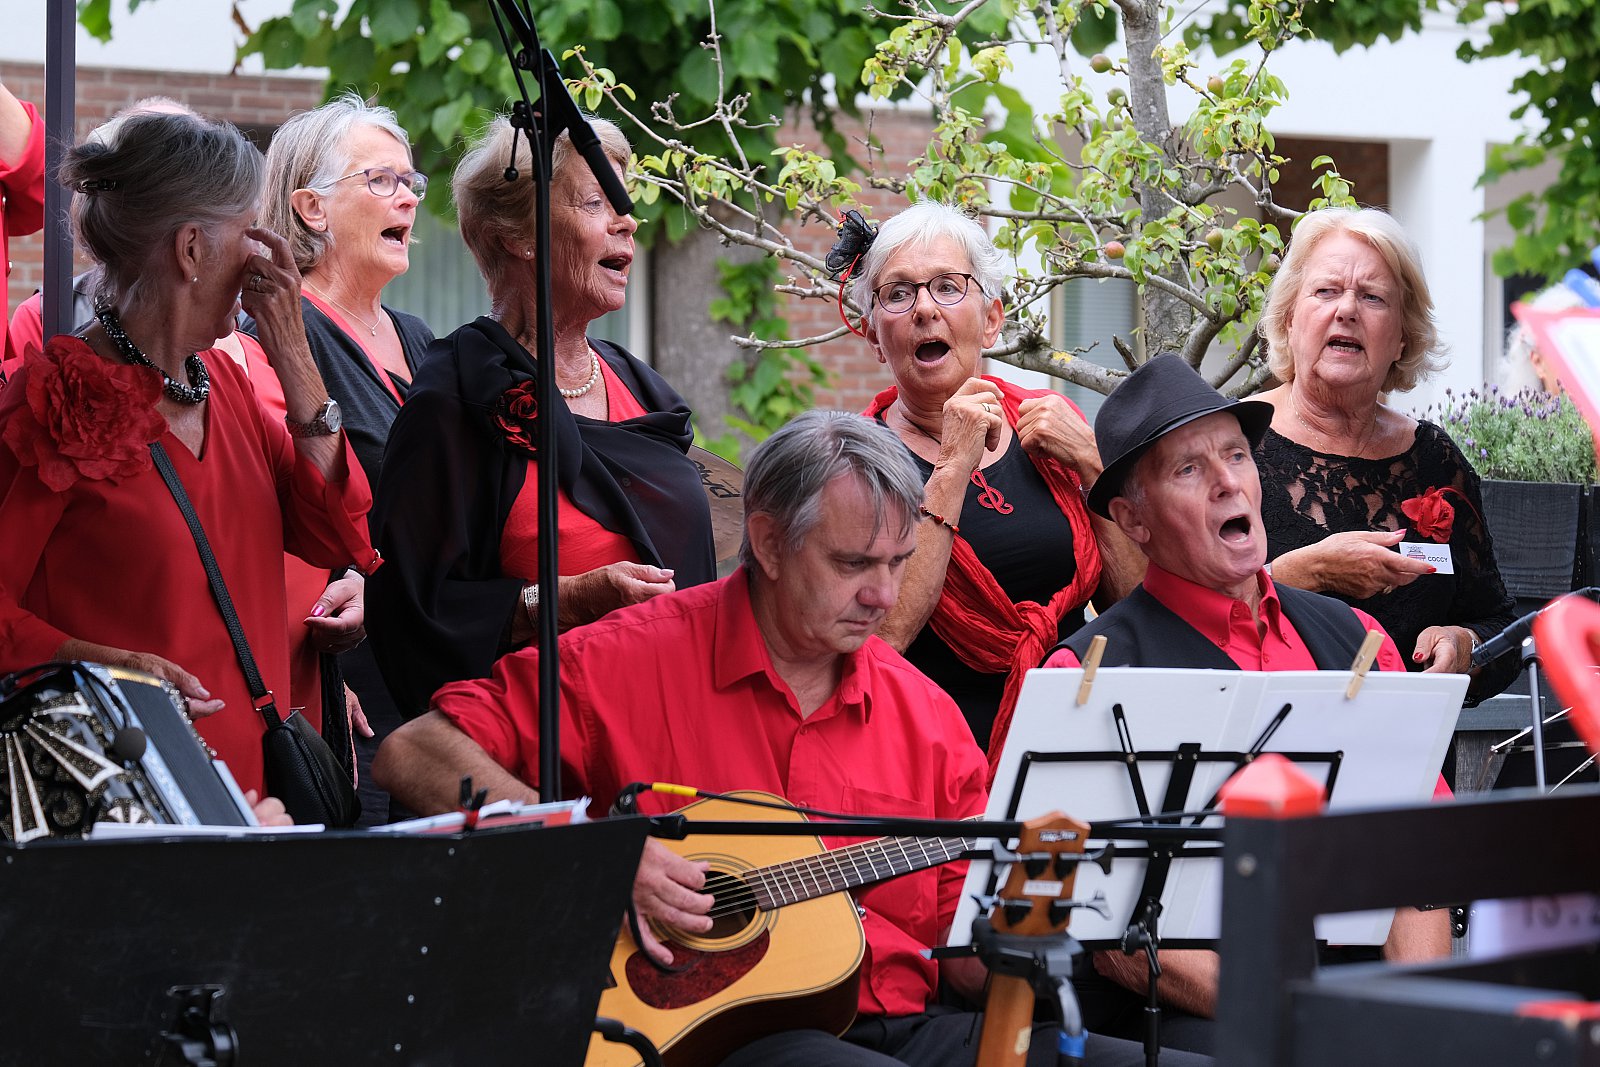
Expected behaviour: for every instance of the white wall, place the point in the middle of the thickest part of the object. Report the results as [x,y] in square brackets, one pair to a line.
[186,35]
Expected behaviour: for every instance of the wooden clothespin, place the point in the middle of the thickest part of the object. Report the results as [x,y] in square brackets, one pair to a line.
[1363,663]
[1091,663]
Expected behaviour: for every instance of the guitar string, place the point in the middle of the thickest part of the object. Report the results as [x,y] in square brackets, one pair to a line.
[794,871]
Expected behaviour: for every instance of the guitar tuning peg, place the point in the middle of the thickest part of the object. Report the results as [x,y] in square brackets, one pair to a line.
[1104,857]
[1059,910]
[1016,911]
[1036,865]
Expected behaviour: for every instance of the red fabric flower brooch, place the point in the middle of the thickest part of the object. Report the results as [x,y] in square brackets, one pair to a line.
[515,414]
[1432,516]
[85,417]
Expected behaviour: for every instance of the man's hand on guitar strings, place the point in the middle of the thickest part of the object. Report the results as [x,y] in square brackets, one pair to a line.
[667,891]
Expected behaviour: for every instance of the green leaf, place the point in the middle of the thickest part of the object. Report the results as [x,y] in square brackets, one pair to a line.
[95,17]
[307,15]
[698,76]
[605,21]
[394,21]
[449,118]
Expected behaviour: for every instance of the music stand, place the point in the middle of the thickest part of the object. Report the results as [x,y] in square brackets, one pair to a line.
[488,948]
[1148,743]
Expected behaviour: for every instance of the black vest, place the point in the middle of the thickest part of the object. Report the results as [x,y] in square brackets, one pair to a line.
[1143,632]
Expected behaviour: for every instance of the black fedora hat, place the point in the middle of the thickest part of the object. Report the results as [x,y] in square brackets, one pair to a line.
[1154,400]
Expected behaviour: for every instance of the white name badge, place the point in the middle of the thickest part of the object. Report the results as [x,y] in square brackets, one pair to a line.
[1428,552]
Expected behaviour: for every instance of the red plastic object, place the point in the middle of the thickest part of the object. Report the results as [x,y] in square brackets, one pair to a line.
[1569,1011]
[1568,638]
[1272,787]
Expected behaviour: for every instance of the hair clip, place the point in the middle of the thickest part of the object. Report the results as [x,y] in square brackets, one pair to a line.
[97,185]
[856,235]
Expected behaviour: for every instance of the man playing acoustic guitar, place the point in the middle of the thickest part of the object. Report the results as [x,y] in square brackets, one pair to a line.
[771,679]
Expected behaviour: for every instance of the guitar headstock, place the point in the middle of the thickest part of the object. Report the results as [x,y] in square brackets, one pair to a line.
[1036,899]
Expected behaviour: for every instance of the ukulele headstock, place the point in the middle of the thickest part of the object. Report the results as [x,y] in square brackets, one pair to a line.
[1036,898]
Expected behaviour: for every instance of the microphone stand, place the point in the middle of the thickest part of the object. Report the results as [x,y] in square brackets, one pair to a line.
[1530,661]
[554,114]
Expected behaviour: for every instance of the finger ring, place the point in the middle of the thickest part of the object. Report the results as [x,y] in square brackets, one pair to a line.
[256,280]
[988,408]
[1388,589]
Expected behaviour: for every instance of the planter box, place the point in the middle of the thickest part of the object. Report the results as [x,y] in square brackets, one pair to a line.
[1539,538]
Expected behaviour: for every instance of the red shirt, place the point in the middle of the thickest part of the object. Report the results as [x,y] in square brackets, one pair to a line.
[1230,625]
[585,544]
[22,192]
[112,561]
[682,689]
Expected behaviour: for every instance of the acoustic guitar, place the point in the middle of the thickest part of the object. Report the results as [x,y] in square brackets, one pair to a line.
[784,950]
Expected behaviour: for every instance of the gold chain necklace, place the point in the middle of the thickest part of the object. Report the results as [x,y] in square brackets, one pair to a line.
[373,329]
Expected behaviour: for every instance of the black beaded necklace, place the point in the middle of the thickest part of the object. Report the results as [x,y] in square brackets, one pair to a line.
[199,386]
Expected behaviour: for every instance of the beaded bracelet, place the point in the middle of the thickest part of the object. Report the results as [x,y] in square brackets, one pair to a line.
[940,519]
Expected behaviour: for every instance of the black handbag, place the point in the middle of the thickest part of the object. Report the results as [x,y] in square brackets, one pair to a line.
[301,770]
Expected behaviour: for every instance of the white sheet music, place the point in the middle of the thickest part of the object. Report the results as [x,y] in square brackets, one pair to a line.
[1391,740]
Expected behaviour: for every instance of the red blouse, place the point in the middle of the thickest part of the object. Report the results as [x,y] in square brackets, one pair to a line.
[585,544]
[97,550]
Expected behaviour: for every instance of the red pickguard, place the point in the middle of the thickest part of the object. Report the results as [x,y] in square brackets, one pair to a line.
[703,976]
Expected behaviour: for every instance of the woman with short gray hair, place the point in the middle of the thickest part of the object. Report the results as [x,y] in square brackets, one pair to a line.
[1008,555]
[457,508]
[100,564]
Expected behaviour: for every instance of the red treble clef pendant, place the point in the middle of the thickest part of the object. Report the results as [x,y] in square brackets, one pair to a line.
[991,497]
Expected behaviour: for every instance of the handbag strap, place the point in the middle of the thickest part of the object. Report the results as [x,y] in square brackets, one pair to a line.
[219,588]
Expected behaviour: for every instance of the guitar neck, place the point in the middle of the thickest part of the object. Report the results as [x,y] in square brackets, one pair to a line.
[844,868]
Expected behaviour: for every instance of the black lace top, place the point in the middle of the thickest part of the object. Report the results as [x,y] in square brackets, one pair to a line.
[1307,495]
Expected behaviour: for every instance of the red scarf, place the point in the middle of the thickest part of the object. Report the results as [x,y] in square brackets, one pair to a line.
[974,616]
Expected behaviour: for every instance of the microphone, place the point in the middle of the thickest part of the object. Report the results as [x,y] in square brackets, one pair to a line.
[563,113]
[1512,636]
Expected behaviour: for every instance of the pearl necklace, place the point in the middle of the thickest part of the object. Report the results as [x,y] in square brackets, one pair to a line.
[594,377]
[199,386]
[373,329]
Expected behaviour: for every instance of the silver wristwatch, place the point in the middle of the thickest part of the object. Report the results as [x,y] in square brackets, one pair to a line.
[324,423]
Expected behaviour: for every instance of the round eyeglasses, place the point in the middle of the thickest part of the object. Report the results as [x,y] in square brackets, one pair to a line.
[384,181]
[946,289]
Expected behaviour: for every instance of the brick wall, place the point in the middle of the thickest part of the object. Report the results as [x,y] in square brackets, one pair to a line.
[247,100]
[858,376]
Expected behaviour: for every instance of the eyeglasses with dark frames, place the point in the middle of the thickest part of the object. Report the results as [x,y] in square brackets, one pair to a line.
[946,289]
[385,181]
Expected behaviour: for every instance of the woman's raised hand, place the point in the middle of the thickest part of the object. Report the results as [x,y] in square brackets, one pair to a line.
[973,424]
[199,700]
[1047,425]
[270,291]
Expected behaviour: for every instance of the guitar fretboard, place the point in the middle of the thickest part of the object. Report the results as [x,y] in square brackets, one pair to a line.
[853,865]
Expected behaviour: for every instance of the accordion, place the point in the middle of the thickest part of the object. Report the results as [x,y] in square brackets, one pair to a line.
[84,743]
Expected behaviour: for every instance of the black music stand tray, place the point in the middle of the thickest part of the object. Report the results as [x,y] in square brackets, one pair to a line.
[334,948]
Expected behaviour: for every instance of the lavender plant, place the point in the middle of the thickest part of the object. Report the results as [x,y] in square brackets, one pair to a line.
[1529,436]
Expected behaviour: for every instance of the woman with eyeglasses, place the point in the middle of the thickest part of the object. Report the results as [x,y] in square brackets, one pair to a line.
[1007,555]
[341,187]
[456,510]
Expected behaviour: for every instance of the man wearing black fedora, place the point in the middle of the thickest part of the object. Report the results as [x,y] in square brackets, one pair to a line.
[1181,482]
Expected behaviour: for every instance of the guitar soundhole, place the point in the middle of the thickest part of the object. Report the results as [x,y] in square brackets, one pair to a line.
[734,908]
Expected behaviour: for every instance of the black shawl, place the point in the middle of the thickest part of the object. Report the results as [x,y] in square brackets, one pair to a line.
[439,607]
[367,406]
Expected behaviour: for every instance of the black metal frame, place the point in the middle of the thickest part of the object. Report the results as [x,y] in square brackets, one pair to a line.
[60,87]
[1277,1010]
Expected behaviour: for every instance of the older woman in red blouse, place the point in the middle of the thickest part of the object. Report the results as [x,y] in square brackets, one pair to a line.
[100,564]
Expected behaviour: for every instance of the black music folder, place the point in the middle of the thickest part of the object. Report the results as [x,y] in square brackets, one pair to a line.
[333,948]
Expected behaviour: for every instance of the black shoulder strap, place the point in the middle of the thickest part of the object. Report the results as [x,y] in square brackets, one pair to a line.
[219,589]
